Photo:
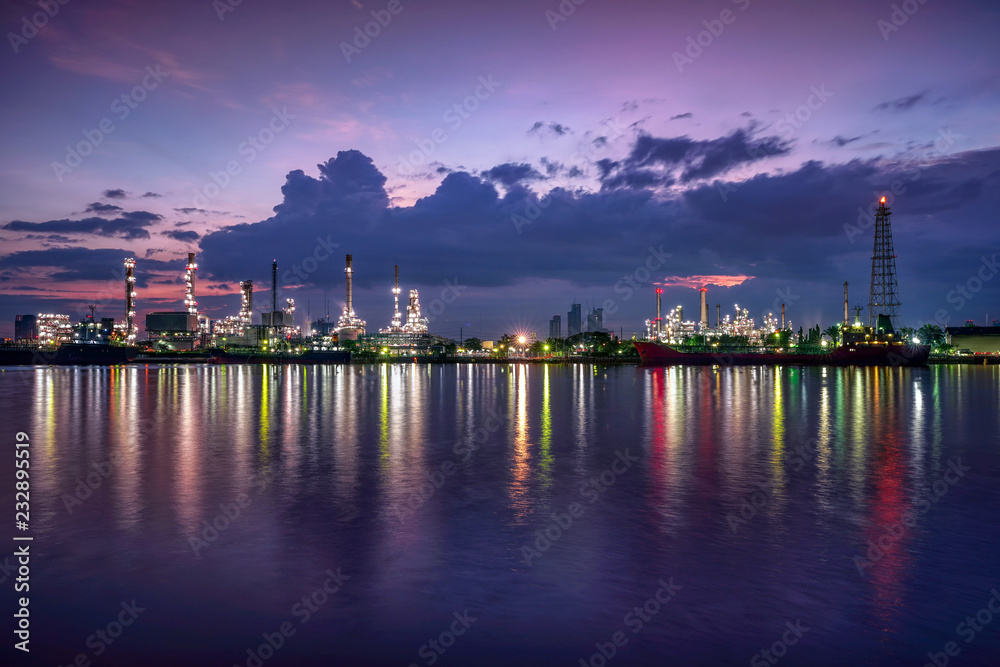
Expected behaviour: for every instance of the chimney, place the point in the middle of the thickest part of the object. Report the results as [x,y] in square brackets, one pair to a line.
[274,288]
[718,314]
[847,319]
[704,307]
[658,318]
[349,271]
[782,316]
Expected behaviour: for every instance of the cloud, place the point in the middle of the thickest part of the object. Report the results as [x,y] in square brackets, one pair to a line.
[682,115]
[510,174]
[697,282]
[840,141]
[188,210]
[150,195]
[902,103]
[555,129]
[90,264]
[182,236]
[130,225]
[665,161]
[98,207]
[115,194]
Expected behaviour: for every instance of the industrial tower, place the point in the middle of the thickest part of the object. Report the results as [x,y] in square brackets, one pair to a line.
[189,279]
[131,329]
[884,295]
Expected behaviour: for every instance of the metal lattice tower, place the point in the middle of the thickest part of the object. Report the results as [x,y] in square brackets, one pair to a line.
[884,296]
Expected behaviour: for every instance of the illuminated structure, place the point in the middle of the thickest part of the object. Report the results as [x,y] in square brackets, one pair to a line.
[414,322]
[883,298]
[246,302]
[189,280]
[350,326]
[289,311]
[672,328]
[53,330]
[704,308]
[131,328]
[396,325]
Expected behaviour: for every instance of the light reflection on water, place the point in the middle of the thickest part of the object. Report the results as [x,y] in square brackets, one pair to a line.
[328,456]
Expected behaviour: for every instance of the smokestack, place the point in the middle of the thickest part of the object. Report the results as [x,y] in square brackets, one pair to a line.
[718,315]
[704,307]
[130,335]
[396,318]
[847,319]
[189,279]
[348,271]
[782,317]
[274,287]
[658,319]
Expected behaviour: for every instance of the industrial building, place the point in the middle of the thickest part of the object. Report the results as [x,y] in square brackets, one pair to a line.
[350,326]
[25,329]
[174,330]
[555,326]
[54,330]
[981,340]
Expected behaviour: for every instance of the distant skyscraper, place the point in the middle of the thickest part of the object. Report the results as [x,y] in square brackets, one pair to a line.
[573,320]
[26,328]
[555,326]
[595,320]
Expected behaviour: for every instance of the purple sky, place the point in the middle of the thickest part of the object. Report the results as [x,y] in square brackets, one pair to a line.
[744,157]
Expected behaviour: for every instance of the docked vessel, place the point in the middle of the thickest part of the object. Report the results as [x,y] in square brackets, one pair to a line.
[858,353]
[253,356]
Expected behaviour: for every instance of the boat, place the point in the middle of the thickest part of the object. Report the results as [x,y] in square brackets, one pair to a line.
[90,354]
[255,356]
[858,346]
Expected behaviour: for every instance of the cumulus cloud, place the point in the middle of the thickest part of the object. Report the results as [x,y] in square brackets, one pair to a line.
[98,207]
[188,236]
[509,174]
[117,193]
[542,128]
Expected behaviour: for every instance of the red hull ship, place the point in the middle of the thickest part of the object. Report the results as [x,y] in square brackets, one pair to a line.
[878,353]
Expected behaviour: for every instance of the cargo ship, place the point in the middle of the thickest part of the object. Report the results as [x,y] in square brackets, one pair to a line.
[867,354]
[858,346]
[68,354]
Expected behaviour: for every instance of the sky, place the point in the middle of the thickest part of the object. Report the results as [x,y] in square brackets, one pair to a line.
[512,158]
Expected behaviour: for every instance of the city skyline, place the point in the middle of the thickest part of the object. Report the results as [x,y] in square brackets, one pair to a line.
[738,145]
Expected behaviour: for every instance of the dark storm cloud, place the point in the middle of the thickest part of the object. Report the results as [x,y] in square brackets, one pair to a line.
[71,264]
[701,159]
[786,229]
[117,193]
[98,207]
[182,236]
[509,174]
[130,225]
[902,103]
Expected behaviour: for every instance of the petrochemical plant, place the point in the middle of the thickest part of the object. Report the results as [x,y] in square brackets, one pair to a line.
[189,329]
